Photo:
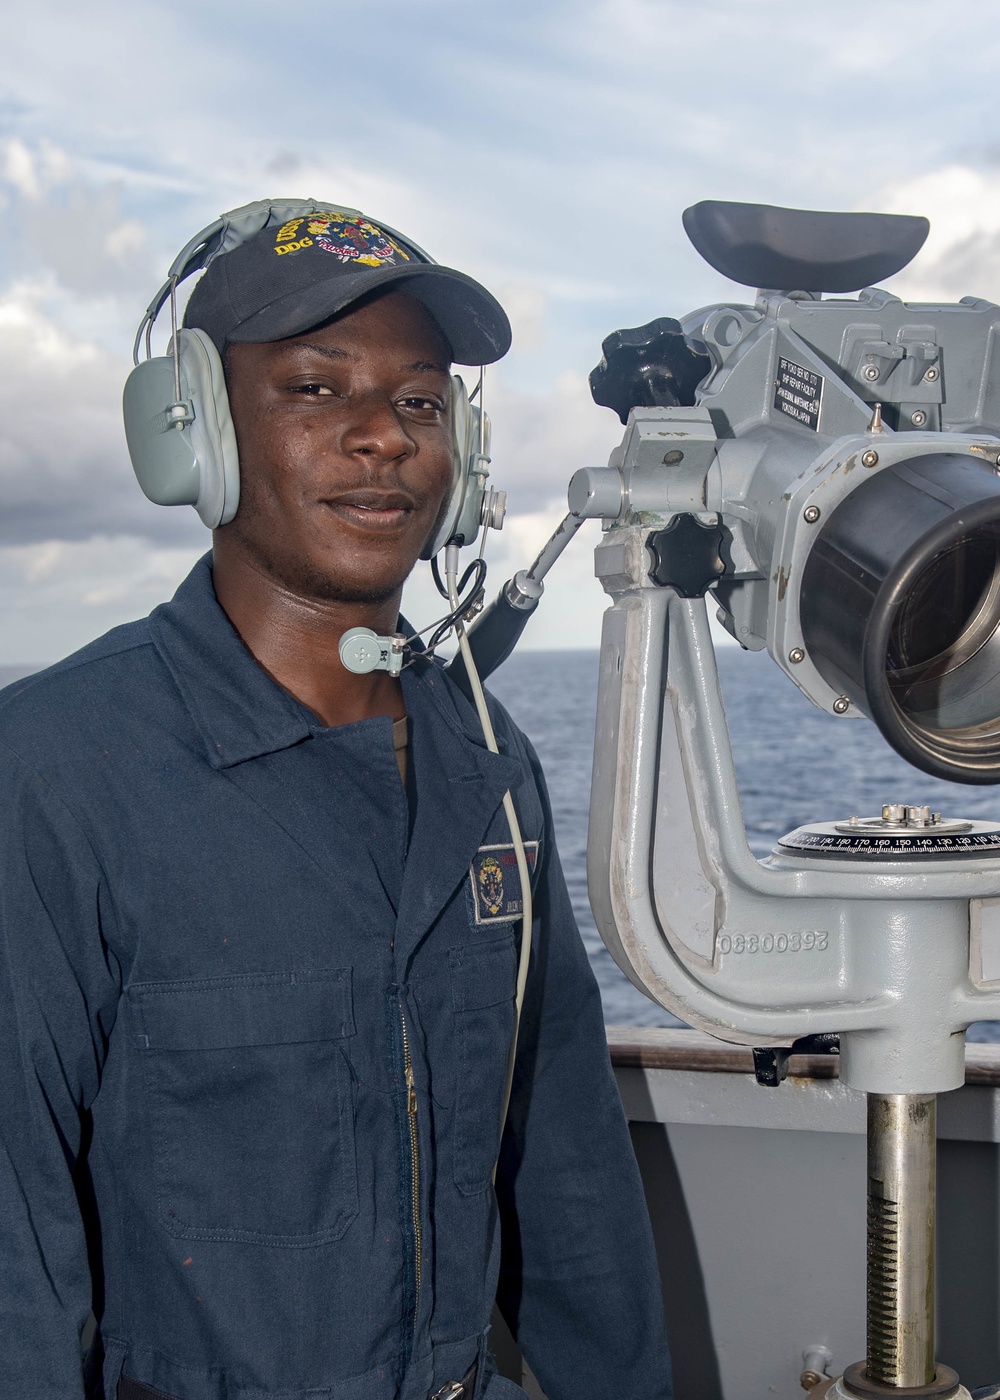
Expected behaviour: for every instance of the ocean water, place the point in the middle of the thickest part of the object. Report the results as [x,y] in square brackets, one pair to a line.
[794,765]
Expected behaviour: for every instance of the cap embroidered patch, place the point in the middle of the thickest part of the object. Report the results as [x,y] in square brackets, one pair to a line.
[496,882]
[350,240]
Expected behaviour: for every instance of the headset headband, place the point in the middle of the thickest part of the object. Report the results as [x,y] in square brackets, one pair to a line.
[229,231]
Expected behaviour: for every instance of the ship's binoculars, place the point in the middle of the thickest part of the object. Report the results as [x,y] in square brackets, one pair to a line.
[826,468]
[829,466]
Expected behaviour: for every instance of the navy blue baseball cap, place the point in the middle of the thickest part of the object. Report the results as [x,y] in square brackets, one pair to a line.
[298,272]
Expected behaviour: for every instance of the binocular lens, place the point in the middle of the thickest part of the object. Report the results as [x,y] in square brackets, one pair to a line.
[943,657]
[900,610]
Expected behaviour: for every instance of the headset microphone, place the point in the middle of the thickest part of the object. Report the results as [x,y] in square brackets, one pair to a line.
[363,651]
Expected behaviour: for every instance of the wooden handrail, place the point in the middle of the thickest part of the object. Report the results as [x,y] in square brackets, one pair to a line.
[653,1047]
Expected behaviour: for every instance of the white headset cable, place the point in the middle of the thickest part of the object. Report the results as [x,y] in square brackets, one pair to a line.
[479,698]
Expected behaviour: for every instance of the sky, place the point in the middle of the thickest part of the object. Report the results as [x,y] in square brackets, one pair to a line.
[546,148]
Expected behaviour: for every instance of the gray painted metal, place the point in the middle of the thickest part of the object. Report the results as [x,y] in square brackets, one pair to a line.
[897,956]
[740,458]
[757,1198]
[760,952]
[765,952]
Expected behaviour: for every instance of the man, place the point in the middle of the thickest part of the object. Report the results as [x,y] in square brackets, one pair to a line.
[255,1013]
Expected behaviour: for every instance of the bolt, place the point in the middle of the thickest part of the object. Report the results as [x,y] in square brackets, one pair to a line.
[816,1361]
[670,459]
[870,372]
[841,705]
[918,418]
[811,514]
[931,373]
[869,458]
[796,655]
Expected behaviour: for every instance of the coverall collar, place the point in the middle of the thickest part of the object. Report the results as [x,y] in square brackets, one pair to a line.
[242,713]
[237,708]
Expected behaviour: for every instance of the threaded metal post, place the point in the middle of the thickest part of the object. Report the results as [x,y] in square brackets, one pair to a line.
[902,1175]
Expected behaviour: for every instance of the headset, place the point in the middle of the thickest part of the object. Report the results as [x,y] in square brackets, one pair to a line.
[178,424]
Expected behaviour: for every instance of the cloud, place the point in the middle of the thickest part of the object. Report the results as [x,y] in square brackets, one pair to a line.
[19,169]
[527,309]
[64,469]
[962,254]
[57,595]
[60,223]
[544,146]
[549,144]
[540,440]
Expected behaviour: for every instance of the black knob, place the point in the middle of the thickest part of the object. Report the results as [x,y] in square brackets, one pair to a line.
[649,366]
[687,556]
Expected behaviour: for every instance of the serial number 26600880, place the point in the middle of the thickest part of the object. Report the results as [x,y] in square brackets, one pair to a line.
[808,942]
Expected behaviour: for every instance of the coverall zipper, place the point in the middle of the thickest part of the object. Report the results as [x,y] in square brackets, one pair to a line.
[411,1116]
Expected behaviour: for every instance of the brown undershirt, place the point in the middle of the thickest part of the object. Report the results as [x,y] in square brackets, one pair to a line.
[400,742]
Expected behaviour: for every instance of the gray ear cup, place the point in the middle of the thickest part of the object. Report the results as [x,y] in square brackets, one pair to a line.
[212,434]
[462,515]
[184,453]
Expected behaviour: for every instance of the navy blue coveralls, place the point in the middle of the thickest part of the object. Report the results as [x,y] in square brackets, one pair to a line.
[253,1033]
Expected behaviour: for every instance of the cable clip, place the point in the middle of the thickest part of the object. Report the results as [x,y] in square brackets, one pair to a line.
[180,414]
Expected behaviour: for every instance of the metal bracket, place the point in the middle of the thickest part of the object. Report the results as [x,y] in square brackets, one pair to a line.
[770,1064]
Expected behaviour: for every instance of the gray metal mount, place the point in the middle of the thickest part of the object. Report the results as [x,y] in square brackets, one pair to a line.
[897,955]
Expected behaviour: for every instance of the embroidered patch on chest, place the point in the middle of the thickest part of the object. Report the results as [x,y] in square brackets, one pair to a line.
[496,883]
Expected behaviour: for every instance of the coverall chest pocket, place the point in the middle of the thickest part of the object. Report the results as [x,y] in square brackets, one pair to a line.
[251,1104]
[482,983]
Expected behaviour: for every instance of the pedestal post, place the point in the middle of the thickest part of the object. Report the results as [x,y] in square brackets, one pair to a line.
[902,1179]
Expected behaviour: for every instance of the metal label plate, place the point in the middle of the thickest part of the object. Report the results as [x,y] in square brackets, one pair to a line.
[798,393]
